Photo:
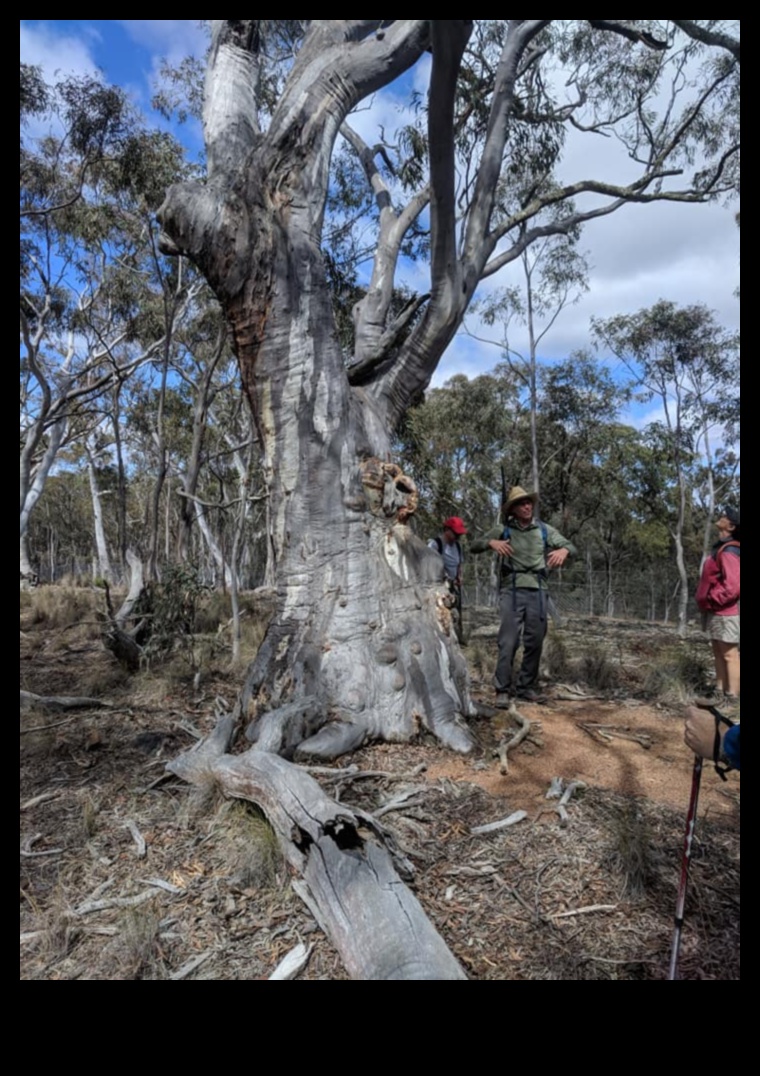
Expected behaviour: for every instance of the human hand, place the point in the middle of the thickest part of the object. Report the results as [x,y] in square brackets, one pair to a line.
[699,733]
[504,549]
[557,558]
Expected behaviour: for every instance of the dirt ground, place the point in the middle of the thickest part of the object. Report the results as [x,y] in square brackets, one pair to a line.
[126,874]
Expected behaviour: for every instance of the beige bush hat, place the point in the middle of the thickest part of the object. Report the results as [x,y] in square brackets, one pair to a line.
[517,493]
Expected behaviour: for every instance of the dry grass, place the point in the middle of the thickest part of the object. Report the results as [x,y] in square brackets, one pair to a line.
[631,844]
[481,657]
[249,845]
[60,931]
[555,658]
[56,607]
[200,802]
[138,947]
[597,670]
[36,737]
[676,675]
[90,811]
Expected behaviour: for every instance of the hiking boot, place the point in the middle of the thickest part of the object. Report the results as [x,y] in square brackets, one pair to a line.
[503,700]
[528,694]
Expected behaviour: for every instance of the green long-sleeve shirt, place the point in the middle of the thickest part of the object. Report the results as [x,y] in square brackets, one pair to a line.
[528,556]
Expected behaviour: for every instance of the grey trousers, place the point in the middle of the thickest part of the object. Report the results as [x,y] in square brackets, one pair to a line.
[523,613]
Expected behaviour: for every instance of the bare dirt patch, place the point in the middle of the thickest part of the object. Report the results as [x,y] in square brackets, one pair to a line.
[661,772]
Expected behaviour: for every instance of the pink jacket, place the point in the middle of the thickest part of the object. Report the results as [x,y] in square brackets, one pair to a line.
[718,590]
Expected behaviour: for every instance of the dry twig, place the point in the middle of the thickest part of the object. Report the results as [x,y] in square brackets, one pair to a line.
[505,746]
[137,837]
[36,800]
[492,827]
[585,910]
[26,848]
[190,965]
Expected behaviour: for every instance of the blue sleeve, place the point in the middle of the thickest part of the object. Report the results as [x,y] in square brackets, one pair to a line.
[731,746]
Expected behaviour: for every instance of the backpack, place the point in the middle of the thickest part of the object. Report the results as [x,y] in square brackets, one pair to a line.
[542,572]
[545,536]
[439,546]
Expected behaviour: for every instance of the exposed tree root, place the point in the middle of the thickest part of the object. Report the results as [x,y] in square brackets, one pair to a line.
[506,745]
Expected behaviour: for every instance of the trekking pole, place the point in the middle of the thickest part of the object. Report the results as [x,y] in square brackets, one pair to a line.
[691,819]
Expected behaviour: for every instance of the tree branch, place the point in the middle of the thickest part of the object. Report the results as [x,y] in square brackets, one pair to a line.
[230,106]
[622,195]
[359,372]
[475,249]
[372,339]
[330,77]
[429,339]
[625,29]
[709,37]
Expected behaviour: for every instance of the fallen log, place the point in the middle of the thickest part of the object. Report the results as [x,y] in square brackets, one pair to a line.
[60,703]
[349,881]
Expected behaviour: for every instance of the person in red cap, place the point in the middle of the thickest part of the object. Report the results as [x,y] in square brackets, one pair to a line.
[447,544]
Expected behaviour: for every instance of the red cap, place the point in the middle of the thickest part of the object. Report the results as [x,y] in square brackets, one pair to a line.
[455,524]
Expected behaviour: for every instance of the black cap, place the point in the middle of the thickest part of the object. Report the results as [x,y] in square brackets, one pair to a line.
[732,515]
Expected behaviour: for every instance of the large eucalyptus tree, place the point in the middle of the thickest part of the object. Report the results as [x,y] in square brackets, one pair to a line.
[360,645]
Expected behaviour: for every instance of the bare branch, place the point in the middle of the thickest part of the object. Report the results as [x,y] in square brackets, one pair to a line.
[330,77]
[692,116]
[137,837]
[709,37]
[372,338]
[634,192]
[222,504]
[630,32]
[475,251]
[359,372]
[503,823]
[447,303]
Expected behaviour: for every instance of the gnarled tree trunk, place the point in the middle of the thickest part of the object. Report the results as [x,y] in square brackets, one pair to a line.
[361,626]
[362,629]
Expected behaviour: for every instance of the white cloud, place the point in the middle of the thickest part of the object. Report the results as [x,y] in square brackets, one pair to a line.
[172,38]
[652,413]
[55,53]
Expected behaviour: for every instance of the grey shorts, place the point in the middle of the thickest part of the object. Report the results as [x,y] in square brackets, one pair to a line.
[724,629]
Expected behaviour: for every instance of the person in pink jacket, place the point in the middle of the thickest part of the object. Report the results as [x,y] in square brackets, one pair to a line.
[718,599]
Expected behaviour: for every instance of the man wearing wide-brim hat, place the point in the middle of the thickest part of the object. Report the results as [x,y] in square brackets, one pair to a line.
[528,550]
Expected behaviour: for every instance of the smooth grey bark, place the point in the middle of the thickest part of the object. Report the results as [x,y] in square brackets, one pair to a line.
[245,477]
[121,477]
[212,544]
[101,546]
[34,476]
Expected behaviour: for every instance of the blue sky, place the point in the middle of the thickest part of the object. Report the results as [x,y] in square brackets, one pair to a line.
[684,253]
